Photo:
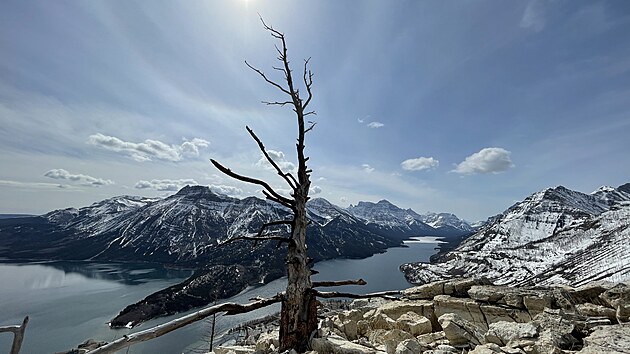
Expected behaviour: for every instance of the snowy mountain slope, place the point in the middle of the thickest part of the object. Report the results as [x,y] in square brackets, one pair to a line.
[185,227]
[406,222]
[437,220]
[556,235]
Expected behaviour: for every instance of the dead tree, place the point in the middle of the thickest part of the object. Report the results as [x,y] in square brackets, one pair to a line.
[299,310]
[298,318]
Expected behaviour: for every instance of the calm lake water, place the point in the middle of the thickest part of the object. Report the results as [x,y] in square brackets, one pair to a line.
[69,302]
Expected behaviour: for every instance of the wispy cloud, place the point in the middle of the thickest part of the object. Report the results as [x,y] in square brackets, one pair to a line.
[17,184]
[149,149]
[82,179]
[372,124]
[367,168]
[279,158]
[227,190]
[487,160]
[165,184]
[420,164]
[315,190]
[534,16]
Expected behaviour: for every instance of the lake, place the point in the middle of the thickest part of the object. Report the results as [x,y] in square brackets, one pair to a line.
[69,302]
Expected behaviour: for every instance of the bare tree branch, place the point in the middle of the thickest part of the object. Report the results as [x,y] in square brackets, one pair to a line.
[333,294]
[323,284]
[277,197]
[280,239]
[154,332]
[262,74]
[260,237]
[308,82]
[313,124]
[276,103]
[270,197]
[286,176]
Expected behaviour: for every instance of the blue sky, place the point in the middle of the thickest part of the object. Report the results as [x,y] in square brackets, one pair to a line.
[458,106]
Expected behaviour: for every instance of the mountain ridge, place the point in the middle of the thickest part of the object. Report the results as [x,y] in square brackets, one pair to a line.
[554,235]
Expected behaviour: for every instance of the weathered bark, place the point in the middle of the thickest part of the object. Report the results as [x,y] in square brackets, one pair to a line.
[18,335]
[299,310]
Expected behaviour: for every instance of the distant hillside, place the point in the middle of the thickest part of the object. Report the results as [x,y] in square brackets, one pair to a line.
[13,216]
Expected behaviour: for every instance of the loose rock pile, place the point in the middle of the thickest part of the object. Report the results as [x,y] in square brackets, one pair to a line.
[473,316]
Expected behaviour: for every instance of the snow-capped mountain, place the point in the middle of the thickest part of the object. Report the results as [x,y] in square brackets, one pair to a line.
[182,228]
[555,235]
[407,222]
[438,220]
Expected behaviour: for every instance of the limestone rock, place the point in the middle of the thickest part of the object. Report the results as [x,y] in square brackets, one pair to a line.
[592,310]
[234,349]
[608,340]
[424,291]
[496,313]
[382,321]
[444,349]
[410,346]
[432,340]
[531,299]
[267,342]
[618,297]
[414,324]
[488,293]
[467,309]
[383,336]
[503,332]
[489,348]
[338,345]
[396,309]
[536,303]
[454,287]
[459,331]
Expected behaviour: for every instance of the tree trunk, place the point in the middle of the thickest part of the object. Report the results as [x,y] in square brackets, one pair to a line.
[299,309]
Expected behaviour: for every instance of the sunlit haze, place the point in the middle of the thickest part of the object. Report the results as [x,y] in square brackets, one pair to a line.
[462,107]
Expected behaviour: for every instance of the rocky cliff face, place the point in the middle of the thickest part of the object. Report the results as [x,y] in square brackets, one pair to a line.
[553,236]
[471,316]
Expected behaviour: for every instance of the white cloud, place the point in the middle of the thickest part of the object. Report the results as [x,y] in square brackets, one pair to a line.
[420,164]
[367,168]
[487,160]
[19,184]
[149,149]
[360,120]
[85,180]
[165,184]
[534,16]
[279,158]
[315,190]
[375,125]
[227,190]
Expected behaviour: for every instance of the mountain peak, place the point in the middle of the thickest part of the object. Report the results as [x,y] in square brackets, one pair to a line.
[198,192]
[624,188]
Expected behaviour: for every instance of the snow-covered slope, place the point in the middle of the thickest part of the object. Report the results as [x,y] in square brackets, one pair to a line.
[437,220]
[184,227]
[556,235]
[407,222]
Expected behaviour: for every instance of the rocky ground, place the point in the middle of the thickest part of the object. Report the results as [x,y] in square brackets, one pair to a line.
[469,316]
